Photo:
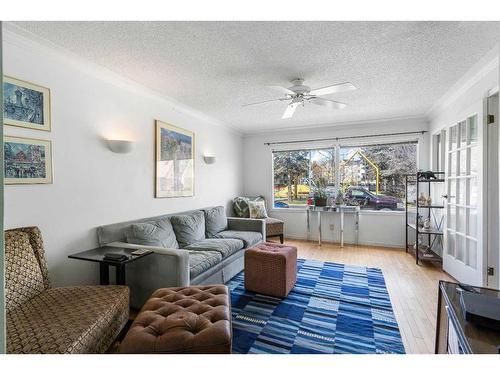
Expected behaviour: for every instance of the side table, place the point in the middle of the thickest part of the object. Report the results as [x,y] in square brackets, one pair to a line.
[97,255]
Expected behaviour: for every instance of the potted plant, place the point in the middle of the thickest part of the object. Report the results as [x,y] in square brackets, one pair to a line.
[320,197]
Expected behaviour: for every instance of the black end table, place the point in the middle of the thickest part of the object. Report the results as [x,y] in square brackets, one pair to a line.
[97,255]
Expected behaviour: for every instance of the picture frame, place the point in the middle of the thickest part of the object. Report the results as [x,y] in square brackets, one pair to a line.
[27,161]
[174,161]
[26,104]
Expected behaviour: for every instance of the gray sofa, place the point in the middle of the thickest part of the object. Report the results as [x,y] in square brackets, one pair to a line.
[192,247]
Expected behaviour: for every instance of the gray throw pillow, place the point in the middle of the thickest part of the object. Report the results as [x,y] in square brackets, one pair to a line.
[189,228]
[152,233]
[215,221]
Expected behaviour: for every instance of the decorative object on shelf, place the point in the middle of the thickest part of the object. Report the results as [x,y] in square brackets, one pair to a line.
[174,161]
[427,175]
[420,221]
[422,199]
[27,161]
[209,159]
[428,201]
[25,104]
[427,223]
[120,146]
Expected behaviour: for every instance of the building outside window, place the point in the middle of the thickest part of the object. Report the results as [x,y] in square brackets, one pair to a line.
[372,176]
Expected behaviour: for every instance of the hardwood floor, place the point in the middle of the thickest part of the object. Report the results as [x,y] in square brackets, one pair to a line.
[412,288]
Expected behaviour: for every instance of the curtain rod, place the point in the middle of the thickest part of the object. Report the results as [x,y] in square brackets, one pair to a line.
[350,137]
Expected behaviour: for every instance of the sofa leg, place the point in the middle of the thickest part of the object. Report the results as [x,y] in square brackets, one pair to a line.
[281,238]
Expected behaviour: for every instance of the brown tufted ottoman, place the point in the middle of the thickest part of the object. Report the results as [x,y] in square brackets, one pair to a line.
[193,319]
[271,269]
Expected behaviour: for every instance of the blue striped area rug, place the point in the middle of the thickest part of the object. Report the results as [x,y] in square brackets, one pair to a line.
[333,308]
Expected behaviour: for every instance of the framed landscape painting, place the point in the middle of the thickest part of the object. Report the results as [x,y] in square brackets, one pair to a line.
[27,161]
[25,104]
[174,161]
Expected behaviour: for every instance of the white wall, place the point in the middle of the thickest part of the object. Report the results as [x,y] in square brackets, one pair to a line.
[375,228]
[93,186]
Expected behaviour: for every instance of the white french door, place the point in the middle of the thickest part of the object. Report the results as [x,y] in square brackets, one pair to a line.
[463,238]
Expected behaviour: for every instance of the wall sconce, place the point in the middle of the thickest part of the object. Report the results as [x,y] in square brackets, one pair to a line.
[209,159]
[120,146]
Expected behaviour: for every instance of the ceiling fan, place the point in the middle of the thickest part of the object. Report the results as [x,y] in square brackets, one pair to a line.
[300,94]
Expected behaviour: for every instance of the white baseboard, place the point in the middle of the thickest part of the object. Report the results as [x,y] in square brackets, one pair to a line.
[364,243]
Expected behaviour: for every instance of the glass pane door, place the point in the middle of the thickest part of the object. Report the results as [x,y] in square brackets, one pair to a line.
[461,258]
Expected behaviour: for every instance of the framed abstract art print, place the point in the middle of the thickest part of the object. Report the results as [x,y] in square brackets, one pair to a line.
[174,161]
[25,104]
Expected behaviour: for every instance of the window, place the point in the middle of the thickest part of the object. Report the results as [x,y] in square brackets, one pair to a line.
[297,172]
[372,176]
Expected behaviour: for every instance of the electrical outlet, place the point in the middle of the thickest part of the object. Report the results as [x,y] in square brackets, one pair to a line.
[332,227]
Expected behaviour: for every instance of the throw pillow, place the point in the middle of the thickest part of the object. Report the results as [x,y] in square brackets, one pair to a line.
[240,205]
[189,228]
[215,221]
[257,210]
[152,233]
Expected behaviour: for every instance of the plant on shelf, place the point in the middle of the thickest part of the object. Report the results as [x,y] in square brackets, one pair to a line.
[320,194]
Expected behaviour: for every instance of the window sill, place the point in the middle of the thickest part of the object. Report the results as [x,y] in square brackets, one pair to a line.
[361,212]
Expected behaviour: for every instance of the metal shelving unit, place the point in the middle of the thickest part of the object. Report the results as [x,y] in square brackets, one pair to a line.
[421,251]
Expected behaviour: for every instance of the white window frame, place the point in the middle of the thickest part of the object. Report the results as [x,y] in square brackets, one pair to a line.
[337,145]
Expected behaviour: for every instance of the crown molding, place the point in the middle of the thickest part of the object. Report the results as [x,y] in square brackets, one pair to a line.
[483,67]
[364,124]
[17,36]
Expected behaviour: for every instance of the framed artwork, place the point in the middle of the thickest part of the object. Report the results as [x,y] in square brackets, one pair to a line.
[25,104]
[174,161]
[27,161]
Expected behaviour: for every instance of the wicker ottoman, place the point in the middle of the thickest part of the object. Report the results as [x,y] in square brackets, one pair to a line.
[193,319]
[271,269]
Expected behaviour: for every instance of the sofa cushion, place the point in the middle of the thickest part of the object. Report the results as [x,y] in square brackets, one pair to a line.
[249,238]
[189,228]
[225,246]
[23,276]
[152,233]
[82,319]
[215,221]
[200,261]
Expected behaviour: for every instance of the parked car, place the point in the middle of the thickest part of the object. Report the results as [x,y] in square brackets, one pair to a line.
[369,200]
[281,204]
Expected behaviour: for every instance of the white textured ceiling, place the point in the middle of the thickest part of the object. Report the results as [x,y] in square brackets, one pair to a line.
[400,68]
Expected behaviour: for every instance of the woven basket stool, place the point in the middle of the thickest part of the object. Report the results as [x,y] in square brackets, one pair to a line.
[271,269]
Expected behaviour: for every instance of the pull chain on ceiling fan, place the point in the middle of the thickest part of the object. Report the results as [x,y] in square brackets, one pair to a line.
[300,94]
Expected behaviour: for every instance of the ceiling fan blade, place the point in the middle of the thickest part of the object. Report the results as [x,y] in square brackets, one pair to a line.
[328,103]
[265,101]
[290,109]
[341,87]
[281,89]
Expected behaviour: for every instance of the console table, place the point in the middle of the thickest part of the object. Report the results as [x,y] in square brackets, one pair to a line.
[334,209]
[455,335]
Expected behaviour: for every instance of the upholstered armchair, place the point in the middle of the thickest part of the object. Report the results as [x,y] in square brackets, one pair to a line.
[42,319]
